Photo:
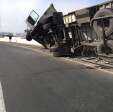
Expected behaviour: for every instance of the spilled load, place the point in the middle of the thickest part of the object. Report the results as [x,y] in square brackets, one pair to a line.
[85,32]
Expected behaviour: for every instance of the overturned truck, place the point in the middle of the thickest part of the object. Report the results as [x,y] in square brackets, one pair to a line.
[85,32]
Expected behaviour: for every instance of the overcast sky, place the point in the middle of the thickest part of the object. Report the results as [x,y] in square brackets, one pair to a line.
[14,12]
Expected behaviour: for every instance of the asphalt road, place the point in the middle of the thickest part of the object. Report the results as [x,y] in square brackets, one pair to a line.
[34,82]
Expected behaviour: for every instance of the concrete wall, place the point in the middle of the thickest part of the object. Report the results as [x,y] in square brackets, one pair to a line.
[20,40]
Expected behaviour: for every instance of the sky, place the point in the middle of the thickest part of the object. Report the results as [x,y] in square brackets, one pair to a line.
[14,12]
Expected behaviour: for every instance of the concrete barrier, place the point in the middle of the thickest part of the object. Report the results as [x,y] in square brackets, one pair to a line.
[20,40]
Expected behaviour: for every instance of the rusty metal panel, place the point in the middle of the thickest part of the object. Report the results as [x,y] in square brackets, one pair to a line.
[66,21]
[86,14]
[102,7]
[73,18]
[82,16]
[70,18]
[108,5]
[82,13]
[83,20]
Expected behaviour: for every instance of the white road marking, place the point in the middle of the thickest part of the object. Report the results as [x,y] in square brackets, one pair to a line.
[2,104]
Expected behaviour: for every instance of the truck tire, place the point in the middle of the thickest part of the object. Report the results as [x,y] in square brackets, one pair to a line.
[57,54]
[57,51]
[28,38]
[53,49]
[98,27]
[60,51]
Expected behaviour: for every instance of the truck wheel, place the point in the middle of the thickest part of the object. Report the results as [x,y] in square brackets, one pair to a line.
[28,38]
[108,23]
[57,54]
[53,49]
[57,51]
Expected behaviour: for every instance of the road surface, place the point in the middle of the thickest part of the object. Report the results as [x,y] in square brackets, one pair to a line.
[35,82]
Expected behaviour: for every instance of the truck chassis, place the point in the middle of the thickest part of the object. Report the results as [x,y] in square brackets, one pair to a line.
[85,32]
